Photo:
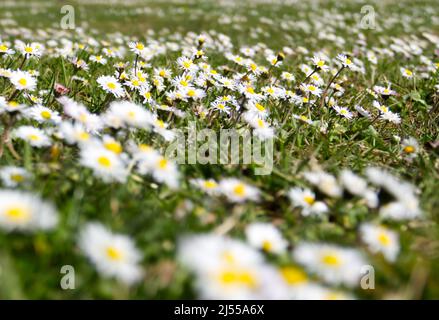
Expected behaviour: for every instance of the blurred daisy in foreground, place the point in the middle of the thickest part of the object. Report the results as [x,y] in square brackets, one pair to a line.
[13,176]
[380,240]
[265,236]
[229,269]
[306,200]
[34,136]
[335,265]
[113,255]
[25,212]
[238,191]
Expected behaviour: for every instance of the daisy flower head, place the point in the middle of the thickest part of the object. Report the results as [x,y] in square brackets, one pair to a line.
[406,73]
[24,211]
[34,136]
[5,49]
[74,133]
[186,64]
[44,115]
[312,89]
[113,255]
[137,47]
[306,200]
[237,191]
[379,239]
[162,129]
[220,106]
[98,59]
[260,127]
[33,49]
[265,236]
[344,112]
[335,265]
[111,85]
[106,164]
[12,176]
[125,113]
[410,147]
[320,63]
[22,80]
[345,61]
[303,118]
[209,186]
[80,113]
[326,182]
[11,106]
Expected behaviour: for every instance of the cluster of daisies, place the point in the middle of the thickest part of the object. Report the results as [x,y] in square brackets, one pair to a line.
[140,99]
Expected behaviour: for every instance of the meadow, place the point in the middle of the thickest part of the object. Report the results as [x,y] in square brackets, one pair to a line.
[93,206]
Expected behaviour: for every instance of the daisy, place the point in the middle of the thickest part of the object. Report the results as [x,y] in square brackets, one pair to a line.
[111,85]
[24,211]
[44,115]
[23,80]
[163,170]
[74,133]
[220,106]
[344,112]
[325,182]
[238,191]
[335,265]
[30,50]
[79,112]
[34,136]
[319,63]
[186,64]
[345,61]
[209,186]
[260,127]
[4,49]
[137,47]
[380,240]
[13,176]
[113,255]
[266,237]
[287,76]
[311,88]
[406,73]
[128,114]
[105,164]
[303,118]
[410,147]
[98,59]
[10,106]
[306,200]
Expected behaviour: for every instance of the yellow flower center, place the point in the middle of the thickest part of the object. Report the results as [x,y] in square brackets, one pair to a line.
[140,46]
[210,184]
[18,214]
[114,147]
[104,162]
[331,260]
[34,137]
[3,48]
[260,107]
[384,239]
[409,149]
[239,190]
[17,178]
[22,81]
[28,49]
[163,163]
[46,114]
[238,277]
[114,253]
[261,123]
[267,246]
[111,85]
[308,199]
[293,275]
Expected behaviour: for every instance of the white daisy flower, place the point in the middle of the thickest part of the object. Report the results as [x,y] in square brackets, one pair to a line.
[23,211]
[113,255]
[335,265]
[306,200]
[12,176]
[34,136]
[238,191]
[23,80]
[265,236]
[111,85]
[380,240]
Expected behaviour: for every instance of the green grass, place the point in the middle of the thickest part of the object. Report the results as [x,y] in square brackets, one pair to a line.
[155,217]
